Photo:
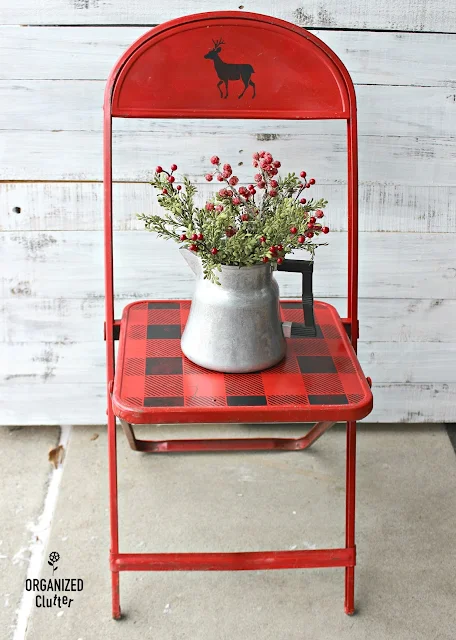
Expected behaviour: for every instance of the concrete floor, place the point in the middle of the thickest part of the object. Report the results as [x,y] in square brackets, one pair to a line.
[406,519]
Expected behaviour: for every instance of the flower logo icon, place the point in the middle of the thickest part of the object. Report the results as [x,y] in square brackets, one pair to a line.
[53,558]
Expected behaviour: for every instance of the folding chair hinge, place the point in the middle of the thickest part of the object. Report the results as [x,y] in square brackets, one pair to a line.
[347,326]
[115,330]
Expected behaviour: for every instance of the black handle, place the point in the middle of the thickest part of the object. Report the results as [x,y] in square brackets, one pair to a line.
[305,267]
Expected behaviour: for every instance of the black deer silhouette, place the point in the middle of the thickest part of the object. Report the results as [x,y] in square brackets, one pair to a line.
[228,71]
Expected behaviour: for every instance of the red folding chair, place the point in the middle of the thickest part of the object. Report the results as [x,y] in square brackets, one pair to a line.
[152,381]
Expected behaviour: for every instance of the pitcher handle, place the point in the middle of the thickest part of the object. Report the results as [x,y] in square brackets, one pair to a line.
[305,267]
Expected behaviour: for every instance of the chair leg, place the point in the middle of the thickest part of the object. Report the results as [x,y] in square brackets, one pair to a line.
[115,580]
[113,509]
[350,489]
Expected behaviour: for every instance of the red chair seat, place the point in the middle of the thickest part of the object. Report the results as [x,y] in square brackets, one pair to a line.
[319,379]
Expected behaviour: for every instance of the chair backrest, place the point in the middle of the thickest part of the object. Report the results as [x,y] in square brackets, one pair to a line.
[185,68]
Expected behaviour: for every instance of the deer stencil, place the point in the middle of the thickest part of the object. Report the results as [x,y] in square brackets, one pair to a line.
[228,71]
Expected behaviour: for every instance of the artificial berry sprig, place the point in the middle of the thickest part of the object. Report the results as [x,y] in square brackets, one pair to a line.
[241,224]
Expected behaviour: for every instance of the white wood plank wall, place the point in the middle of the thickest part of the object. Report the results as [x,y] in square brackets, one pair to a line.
[55,57]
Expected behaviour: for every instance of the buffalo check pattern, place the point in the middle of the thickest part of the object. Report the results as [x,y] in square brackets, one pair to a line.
[153,373]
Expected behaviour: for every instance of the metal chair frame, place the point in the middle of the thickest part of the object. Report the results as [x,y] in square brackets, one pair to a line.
[124,98]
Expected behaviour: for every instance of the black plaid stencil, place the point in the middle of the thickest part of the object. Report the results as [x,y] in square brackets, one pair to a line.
[316,364]
[170,331]
[246,401]
[163,305]
[163,366]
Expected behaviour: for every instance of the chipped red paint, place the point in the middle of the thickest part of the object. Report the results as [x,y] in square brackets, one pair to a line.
[233,79]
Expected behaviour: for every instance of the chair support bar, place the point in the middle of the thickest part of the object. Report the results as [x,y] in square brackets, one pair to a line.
[225,444]
[240,561]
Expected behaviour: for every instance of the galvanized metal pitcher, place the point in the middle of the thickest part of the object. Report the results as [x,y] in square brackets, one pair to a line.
[235,326]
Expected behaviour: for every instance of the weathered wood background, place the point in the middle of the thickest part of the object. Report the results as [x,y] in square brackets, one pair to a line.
[55,57]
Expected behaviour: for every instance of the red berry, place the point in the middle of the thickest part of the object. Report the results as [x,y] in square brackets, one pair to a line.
[265,259]
[194,236]
[227,167]
[274,172]
[279,247]
[173,167]
[268,157]
[308,185]
[293,230]
[178,187]
[312,181]
[209,177]
[273,184]
[252,192]
[263,239]
[183,237]
[158,169]
[193,247]
[279,260]
[230,232]
[222,193]
[255,163]
[256,155]
[258,177]
[200,236]
[219,207]
[303,174]
[165,192]
[234,180]
[313,220]
[273,193]
[214,251]
[277,164]
[262,184]
[262,153]
[309,234]
[236,200]
[245,217]
[229,193]
[215,160]
[301,239]
[273,249]
[303,201]
[310,225]
[263,163]
[325,229]
[209,206]
[319,213]
[171,179]
[220,177]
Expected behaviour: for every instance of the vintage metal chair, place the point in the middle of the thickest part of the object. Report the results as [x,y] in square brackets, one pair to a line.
[152,382]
